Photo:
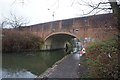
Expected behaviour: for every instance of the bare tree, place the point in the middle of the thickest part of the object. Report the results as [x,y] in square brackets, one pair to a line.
[114,6]
[14,21]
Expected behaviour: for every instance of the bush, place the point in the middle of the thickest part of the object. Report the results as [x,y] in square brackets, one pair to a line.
[15,41]
[102,59]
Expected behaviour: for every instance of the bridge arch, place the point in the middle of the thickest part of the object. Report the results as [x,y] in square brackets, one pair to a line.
[61,33]
[58,40]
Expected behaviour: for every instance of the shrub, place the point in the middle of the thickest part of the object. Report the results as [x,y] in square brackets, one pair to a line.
[15,41]
[102,59]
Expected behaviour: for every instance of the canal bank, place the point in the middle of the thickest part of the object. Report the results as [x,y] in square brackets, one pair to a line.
[68,67]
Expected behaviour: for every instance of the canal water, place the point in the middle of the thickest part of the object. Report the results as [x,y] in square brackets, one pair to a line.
[28,65]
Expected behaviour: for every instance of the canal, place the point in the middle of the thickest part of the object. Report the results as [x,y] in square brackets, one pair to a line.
[29,65]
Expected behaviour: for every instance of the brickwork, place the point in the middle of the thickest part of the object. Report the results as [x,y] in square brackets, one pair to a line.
[97,26]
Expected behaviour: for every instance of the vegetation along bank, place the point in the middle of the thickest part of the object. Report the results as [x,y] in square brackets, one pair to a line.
[17,41]
[101,59]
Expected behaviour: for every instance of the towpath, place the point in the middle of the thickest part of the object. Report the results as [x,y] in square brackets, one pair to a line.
[67,68]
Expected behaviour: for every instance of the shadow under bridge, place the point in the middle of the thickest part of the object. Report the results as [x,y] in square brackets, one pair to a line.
[59,40]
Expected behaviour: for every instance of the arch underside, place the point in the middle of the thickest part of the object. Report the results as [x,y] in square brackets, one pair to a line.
[57,41]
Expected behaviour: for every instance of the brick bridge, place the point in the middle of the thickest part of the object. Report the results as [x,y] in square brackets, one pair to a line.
[56,33]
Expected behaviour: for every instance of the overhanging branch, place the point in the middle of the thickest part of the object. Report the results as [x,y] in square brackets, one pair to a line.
[97,7]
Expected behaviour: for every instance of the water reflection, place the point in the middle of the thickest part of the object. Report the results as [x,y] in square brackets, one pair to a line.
[17,74]
[28,65]
[0,73]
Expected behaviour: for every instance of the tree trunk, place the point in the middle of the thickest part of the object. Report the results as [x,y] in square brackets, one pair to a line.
[116,12]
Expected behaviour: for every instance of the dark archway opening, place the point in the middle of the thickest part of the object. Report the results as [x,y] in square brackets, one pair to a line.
[59,41]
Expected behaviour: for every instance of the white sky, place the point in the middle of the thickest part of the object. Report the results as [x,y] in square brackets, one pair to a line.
[36,11]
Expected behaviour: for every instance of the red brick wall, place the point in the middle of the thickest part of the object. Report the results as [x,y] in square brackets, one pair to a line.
[97,26]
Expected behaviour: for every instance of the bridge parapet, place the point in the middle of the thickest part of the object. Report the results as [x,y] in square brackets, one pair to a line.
[99,27]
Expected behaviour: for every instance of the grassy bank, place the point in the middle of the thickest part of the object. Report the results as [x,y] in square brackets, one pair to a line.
[101,59]
[17,41]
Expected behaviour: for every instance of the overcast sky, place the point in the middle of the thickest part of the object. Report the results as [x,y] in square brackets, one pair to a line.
[40,11]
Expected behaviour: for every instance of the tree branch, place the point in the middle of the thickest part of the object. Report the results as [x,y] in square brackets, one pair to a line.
[97,7]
